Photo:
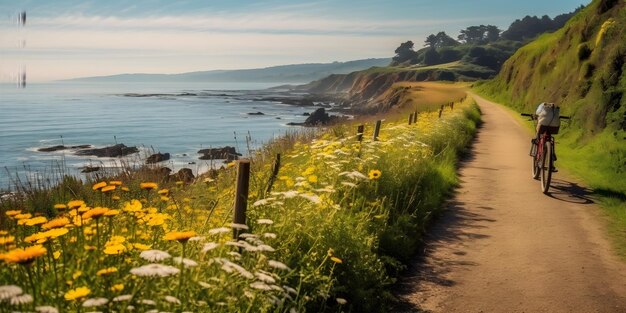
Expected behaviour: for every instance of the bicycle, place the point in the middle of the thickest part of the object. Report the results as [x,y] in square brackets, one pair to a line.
[542,152]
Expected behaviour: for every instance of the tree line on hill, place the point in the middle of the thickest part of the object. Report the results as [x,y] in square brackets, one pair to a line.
[482,45]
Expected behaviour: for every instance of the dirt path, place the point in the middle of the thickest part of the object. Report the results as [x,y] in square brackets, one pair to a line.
[503,246]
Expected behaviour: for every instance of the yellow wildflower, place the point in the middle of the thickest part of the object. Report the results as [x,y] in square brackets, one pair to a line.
[141,246]
[117,287]
[7,240]
[313,179]
[165,199]
[95,213]
[77,274]
[125,189]
[56,255]
[114,249]
[163,192]
[107,189]
[35,221]
[132,206]
[13,212]
[75,204]
[24,256]
[112,212]
[336,260]
[99,185]
[23,216]
[56,223]
[77,293]
[374,174]
[60,206]
[181,236]
[309,170]
[148,186]
[106,271]
[115,198]
[115,183]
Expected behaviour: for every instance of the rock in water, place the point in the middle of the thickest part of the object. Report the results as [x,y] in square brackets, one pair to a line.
[115,151]
[219,153]
[52,149]
[158,157]
[318,117]
[256,113]
[90,169]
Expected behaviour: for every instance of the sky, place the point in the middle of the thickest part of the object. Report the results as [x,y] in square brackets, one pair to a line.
[66,39]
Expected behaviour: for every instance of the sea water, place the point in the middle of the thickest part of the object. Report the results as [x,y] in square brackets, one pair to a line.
[175,118]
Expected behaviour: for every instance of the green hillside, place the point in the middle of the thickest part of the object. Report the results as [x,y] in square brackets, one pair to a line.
[582,67]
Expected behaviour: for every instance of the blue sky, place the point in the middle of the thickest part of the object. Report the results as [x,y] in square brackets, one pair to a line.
[64,39]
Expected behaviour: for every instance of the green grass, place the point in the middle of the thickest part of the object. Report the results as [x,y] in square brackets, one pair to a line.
[344,236]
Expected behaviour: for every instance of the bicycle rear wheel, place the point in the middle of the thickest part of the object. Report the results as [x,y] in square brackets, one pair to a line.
[546,168]
[535,159]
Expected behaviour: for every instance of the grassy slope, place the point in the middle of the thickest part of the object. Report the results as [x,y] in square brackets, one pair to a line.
[590,88]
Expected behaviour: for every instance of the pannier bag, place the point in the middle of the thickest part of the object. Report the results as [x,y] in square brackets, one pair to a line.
[548,116]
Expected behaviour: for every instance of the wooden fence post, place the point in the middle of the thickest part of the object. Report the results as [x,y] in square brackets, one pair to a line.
[411,119]
[415,117]
[377,130]
[241,194]
[451,106]
[274,173]
[359,132]
[440,111]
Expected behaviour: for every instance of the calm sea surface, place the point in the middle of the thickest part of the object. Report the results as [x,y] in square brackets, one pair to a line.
[181,119]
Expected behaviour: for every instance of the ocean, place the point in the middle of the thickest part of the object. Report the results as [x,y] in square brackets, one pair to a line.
[175,118]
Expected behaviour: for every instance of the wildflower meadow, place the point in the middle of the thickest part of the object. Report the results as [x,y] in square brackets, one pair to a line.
[328,233]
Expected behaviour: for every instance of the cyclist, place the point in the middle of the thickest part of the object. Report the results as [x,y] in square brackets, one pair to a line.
[547,114]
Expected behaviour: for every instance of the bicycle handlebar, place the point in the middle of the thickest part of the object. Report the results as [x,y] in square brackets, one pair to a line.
[534,116]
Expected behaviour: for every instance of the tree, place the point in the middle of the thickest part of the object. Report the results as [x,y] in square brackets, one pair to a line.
[443,40]
[431,57]
[480,34]
[405,53]
[431,41]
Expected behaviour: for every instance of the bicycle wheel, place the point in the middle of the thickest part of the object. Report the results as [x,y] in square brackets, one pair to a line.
[535,159]
[546,168]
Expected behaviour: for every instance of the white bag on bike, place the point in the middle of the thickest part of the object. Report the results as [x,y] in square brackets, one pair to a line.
[548,115]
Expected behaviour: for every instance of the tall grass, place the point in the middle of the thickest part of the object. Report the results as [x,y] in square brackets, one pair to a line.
[342,218]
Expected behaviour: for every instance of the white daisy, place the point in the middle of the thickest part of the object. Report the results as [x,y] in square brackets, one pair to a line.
[348,184]
[265,221]
[239,226]
[341,301]
[278,265]
[220,230]
[230,267]
[154,255]
[265,278]
[248,235]
[152,270]
[9,291]
[46,309]
[260,285]
[122,298]
[313,198]
[290,290]
[265,248]
[269,235]
[197,238]
[95,302]
[263,201]
[21,299]
[171,299]
[186,262]
[147,302]
[210,246]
